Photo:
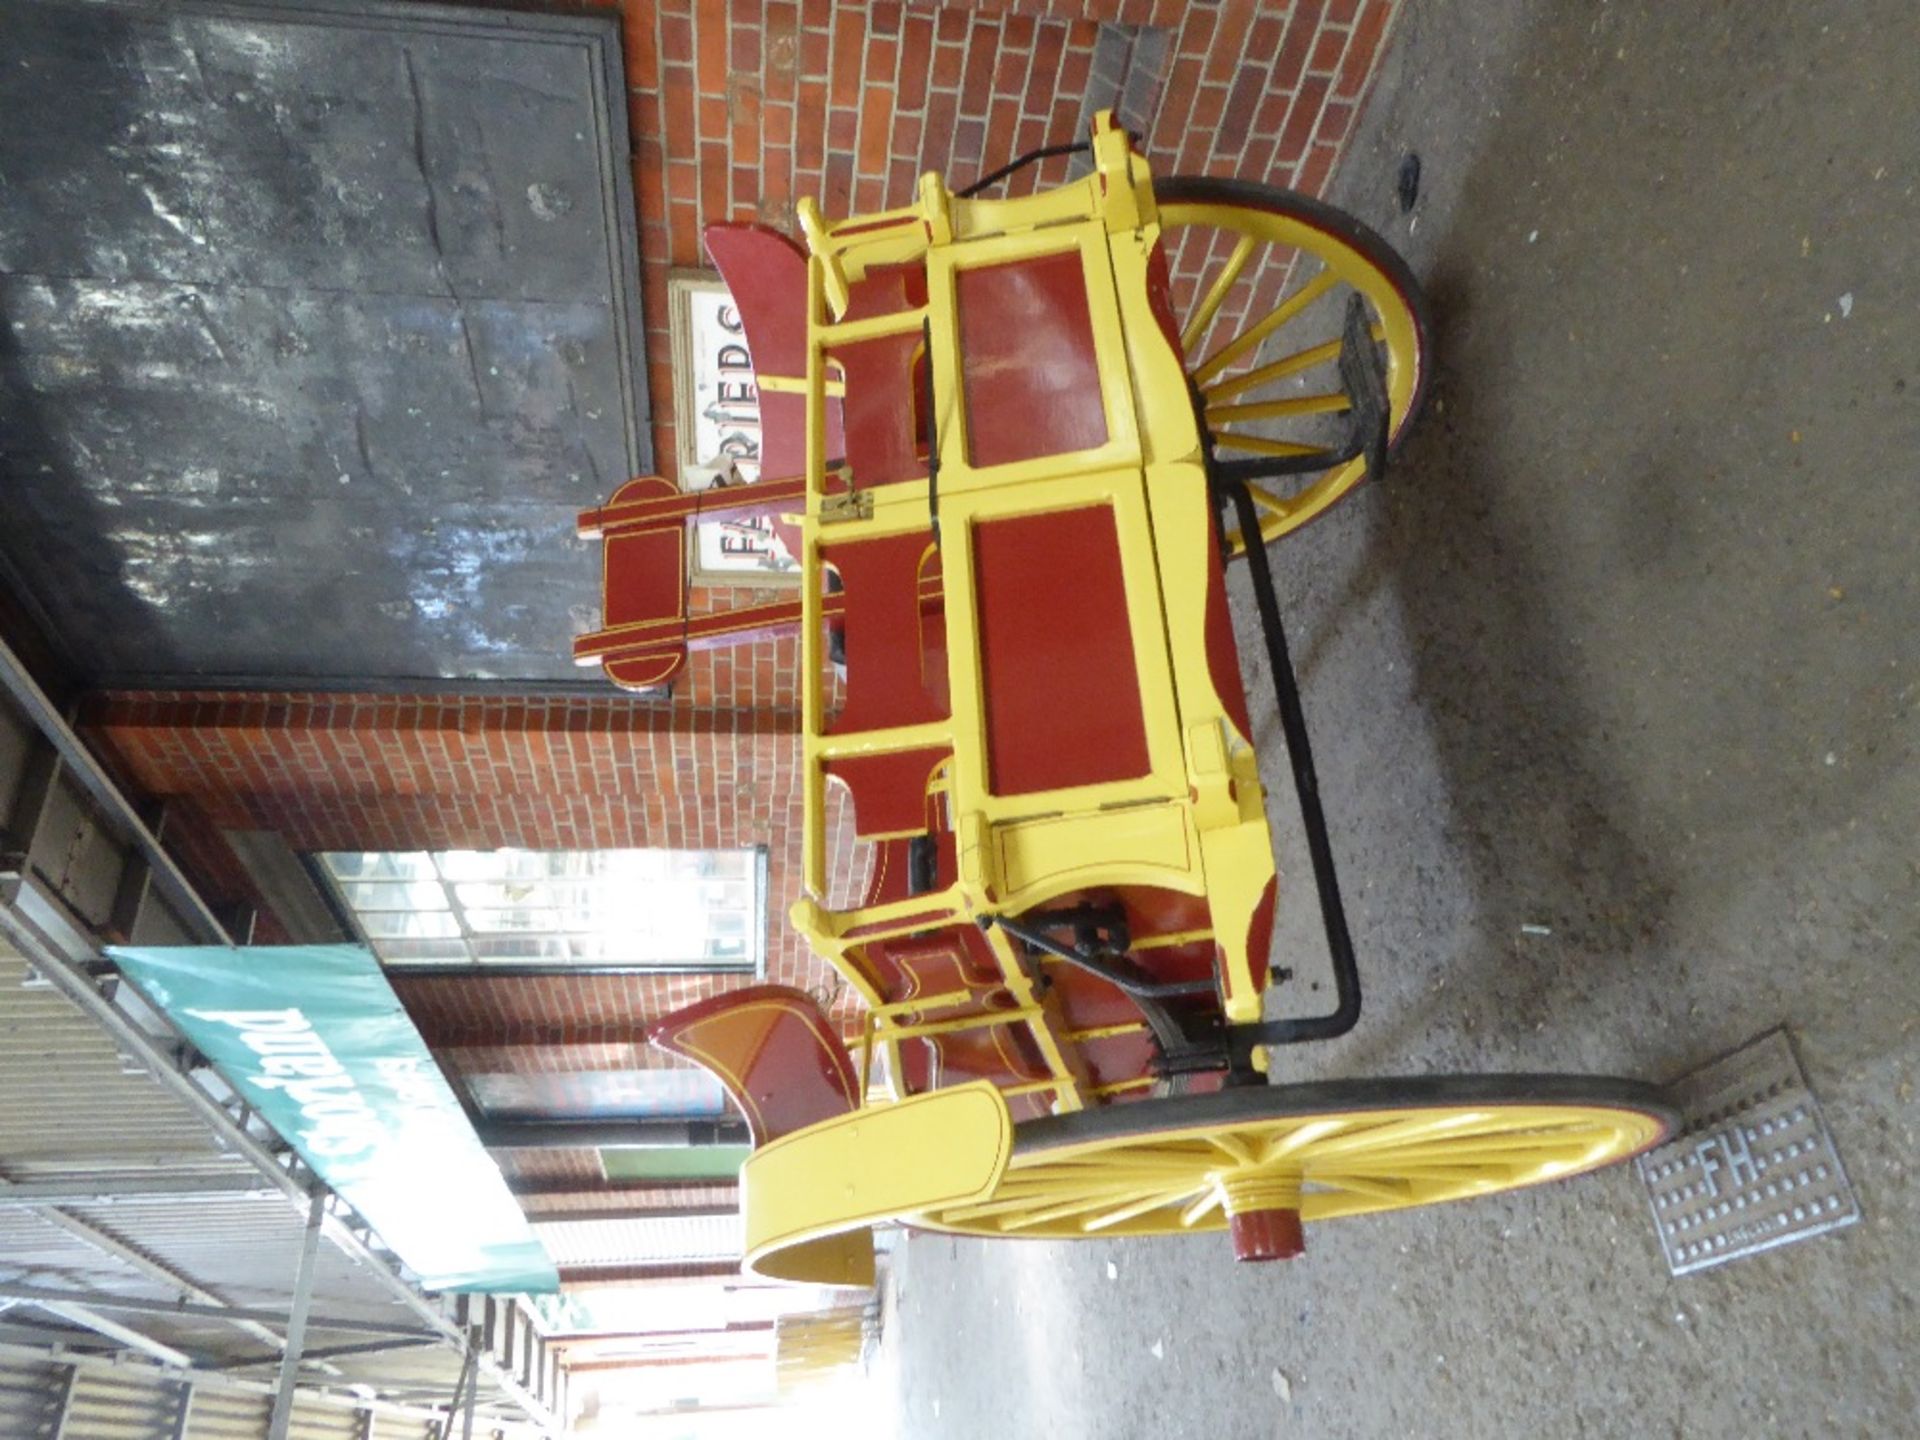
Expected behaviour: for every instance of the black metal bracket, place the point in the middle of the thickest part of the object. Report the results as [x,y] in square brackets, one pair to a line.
[1149,995]
[1364,376]
[1112,966]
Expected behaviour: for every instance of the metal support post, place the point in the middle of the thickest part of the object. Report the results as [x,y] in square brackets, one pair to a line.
[297,1319]
[233,1315]
[65,1412]
[330,1352]
[183,1413]
[121,1334]
[460,1387]
[115,1189]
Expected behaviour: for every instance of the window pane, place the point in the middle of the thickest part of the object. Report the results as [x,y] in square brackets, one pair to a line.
[396,895]
[388,865]
[511,922]
[519,949]
[599,1094]
[408,924]
[542,893]
[618,950]
[668,908]
[416,952]
[474,864]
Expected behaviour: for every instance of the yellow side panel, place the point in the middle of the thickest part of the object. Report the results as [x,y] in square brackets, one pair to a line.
[809,1197]
[1139,845]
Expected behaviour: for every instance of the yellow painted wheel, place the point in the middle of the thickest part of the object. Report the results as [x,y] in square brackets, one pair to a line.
[1266,364]
[1258,1161]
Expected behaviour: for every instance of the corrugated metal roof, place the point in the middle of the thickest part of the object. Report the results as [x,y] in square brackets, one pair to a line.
[69,1106]
[247,1249]
[139,1403]
[633,1241]
[69,1102]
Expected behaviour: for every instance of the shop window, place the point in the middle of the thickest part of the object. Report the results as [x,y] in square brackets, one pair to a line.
[648,910]
[676,1093]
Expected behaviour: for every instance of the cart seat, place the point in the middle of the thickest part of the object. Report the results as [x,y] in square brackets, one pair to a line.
[773,1049]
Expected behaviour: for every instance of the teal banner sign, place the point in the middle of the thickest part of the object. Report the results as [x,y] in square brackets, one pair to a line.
[313,1037]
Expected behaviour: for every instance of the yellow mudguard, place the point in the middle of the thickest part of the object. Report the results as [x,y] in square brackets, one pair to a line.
[810,1197]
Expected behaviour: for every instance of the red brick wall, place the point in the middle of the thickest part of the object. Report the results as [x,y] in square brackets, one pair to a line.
[380,773]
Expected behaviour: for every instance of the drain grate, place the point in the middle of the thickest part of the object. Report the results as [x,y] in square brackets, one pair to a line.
[1752,1166]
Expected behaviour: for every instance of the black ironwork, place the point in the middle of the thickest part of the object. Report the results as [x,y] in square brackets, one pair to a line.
[933,433]
[1366,387]
[1032,157]
[1364,376]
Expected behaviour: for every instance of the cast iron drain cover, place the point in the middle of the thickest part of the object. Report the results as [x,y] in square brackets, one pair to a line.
[1752,1165]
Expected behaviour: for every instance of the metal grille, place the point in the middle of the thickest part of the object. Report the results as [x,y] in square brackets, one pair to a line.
[1753,1165]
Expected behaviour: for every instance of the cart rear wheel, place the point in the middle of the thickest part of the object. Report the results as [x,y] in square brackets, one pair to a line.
[1259,1161]
[1265,359]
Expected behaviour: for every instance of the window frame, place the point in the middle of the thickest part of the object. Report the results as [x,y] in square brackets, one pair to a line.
[332,888]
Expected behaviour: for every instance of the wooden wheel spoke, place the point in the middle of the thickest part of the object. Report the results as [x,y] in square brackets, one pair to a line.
[1201,1208]
[1080,1205]
[1271,503]
[1397,1191]
[1133,1210]
[1287,365]
[1260,445]
[1233,1147]
[1140,1160]
[1334,403]
[1573,1139]
[1250,338]
[1282,1146]
[1217,292]
[1402,1133]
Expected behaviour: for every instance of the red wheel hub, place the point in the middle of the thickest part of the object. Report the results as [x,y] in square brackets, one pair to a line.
[1272,1234]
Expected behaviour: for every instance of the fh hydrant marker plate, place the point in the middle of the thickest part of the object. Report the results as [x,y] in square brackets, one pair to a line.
[1752,1166]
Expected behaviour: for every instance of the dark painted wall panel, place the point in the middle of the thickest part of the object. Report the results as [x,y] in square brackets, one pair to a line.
[316,328]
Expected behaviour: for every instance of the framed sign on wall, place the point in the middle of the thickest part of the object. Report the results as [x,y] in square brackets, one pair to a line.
[717,426]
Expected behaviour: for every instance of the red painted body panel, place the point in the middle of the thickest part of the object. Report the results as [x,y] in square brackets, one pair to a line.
[766,273]
[889,789]
[888,634]
[646,631]
[774,1050]
[1057,665]
[1028,373]
[886,431]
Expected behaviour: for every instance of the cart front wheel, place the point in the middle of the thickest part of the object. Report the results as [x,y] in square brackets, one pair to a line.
[1265,275]
[1260,1161]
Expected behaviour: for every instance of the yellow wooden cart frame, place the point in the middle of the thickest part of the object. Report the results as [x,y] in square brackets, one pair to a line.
[1116,1158]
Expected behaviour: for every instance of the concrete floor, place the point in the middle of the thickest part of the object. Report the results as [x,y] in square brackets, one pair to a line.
[1628,647]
